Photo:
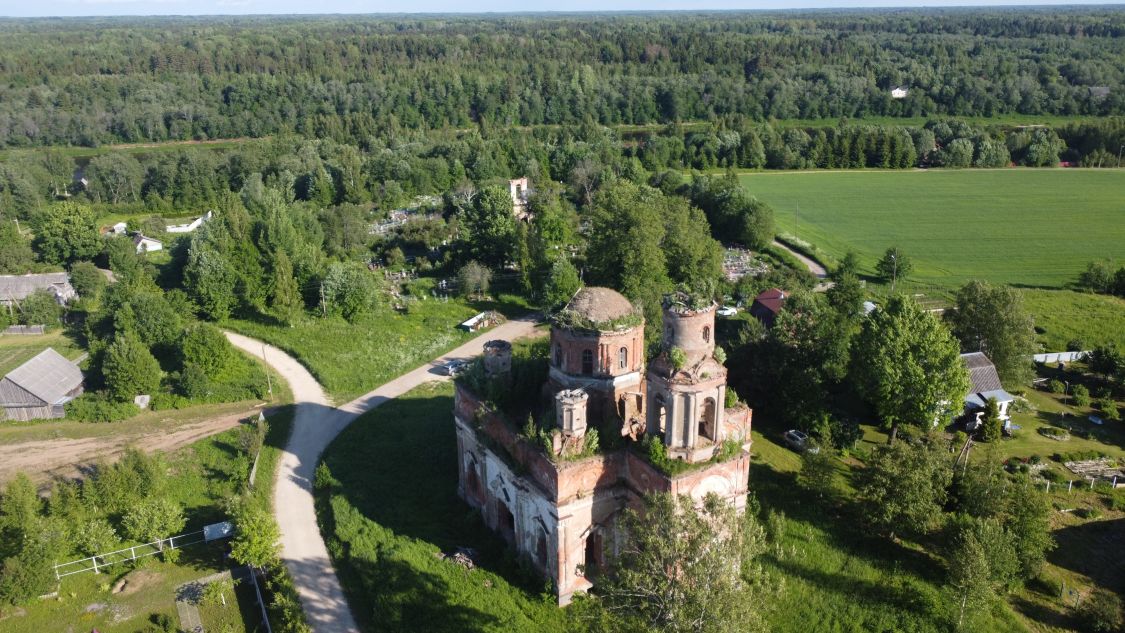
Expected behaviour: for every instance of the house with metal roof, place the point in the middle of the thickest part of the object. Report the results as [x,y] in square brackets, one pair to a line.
[16,288]
[767,305]
[984,384]
[40,388]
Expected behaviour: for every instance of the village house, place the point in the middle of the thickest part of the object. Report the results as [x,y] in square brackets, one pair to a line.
[558,504]
[984,384]
[146,244]
[767,305]
[16,288]
[899,92]
[40,388]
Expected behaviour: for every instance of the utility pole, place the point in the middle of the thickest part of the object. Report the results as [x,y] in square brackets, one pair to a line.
[323,307]
[894,274]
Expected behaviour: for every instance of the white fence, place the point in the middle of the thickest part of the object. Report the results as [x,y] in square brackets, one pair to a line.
[1059,357]
[129,554]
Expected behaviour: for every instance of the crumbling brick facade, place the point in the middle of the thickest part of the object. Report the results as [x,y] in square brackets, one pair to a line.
[561,513]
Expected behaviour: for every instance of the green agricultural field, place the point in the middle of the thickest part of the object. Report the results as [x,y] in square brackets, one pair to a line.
[1062,316]
[1030,227]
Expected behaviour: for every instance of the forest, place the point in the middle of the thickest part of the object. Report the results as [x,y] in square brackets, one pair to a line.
[352,78]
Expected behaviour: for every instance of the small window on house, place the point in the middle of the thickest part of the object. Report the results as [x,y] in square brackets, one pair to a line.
[706,334]
[623,358]
[587,362]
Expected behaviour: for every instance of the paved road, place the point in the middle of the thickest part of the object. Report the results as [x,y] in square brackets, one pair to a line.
[314,427]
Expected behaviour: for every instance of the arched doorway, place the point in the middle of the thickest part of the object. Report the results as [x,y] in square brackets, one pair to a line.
[506,521]
[472,484]
[595,553]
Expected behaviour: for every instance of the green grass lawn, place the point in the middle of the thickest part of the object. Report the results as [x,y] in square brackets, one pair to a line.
[17,350]
[396,508]
[1030,227]
[350,359]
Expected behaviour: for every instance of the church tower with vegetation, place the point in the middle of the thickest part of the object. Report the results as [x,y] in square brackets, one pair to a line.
[555,440]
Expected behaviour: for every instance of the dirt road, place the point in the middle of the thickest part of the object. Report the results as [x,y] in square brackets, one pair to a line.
[315,425]
[45,459]
[810,263]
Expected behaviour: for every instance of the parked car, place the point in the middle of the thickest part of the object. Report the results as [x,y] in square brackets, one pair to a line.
[453,367]
[799,441]
[727,311]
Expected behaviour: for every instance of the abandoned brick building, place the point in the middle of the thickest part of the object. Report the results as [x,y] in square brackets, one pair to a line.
[556,503]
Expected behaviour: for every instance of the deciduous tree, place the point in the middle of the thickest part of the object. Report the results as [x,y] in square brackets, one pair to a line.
[908,366]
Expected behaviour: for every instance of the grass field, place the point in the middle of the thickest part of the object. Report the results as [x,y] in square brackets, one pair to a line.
[350,359]
[17,350]
[1062,316]
[1029,227]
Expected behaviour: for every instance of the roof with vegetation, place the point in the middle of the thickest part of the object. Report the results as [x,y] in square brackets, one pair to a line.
[599,309]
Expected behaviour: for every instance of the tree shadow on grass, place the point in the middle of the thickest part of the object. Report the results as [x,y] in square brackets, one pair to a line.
[1093,549]
[396,467]
[842,521]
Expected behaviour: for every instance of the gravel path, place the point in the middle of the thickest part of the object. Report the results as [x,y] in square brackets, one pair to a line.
[315,425]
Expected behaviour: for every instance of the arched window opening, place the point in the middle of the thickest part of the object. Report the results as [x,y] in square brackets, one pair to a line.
[706,333]
[587,362]
[661,415]
[623,358]
[707,420]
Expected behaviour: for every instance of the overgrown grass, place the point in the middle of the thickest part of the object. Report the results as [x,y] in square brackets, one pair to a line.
[394,509]
[350,359]
[1062,316]
[1031,227]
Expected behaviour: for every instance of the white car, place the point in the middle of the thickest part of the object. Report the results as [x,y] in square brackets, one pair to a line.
[727,311]
[799,441]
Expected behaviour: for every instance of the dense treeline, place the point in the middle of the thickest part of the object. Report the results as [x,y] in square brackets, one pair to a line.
[388,171]
[351,78]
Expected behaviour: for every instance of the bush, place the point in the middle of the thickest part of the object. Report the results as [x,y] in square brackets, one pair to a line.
[1075,345]
[677,357]
[1056,386]
[1081,395]
[1090,514]
[97,407]
[1109,408]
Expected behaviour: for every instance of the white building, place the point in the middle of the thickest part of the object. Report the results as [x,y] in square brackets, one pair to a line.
[146,244]
[190,226]
[899,92]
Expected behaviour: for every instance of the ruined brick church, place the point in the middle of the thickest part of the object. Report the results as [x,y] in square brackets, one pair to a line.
[560,511]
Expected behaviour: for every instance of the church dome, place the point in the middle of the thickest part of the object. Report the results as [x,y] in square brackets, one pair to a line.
[595,305]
